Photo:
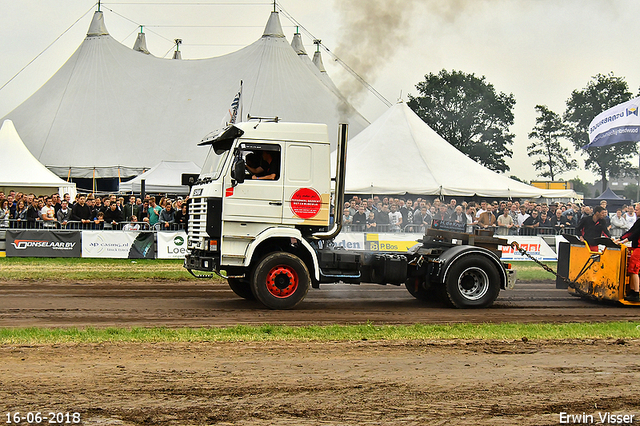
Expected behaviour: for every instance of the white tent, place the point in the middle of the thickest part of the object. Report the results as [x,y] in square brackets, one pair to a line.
[163,178]
[22,172]
[399,153]
[113,111]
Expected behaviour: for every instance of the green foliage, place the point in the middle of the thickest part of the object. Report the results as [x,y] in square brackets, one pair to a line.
[367,331]
[630,192]
[554,158]
[469,114]
[600,94]
[580,186]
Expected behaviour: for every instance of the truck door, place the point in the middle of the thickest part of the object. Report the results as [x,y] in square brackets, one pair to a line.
[257,200]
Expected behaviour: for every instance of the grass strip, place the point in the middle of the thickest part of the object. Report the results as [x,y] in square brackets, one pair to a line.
[368,331]
[78,269]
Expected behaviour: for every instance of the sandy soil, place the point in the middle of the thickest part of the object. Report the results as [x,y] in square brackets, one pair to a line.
[336,383]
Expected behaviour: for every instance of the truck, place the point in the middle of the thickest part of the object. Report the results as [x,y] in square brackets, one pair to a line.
[272,239]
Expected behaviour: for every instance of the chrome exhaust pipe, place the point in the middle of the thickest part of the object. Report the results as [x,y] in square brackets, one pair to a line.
[341,168]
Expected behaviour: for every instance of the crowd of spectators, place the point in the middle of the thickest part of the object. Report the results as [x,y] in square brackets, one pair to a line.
[20,210]
[390,214]
[377,214]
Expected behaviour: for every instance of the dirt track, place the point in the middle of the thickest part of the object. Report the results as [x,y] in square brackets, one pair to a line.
[335,383]
[189,303]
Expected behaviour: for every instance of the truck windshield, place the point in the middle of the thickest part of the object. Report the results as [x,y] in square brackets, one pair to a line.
[214,164]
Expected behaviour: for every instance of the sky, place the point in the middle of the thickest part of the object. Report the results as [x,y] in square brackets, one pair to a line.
[538,50]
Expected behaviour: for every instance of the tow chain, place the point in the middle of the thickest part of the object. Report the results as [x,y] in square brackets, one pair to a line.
[570,283]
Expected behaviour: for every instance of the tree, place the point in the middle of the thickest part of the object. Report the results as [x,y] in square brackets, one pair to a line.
[600,94]
[554,157]
[468,113]
[580,186]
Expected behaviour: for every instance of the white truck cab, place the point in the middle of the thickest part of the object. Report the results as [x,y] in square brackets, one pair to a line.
[259,216]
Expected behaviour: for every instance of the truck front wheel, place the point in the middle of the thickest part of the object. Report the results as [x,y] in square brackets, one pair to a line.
[241,287]
[280,281]
[472,282]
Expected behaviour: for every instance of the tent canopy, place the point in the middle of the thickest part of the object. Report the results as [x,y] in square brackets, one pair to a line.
[163,178]
[399,153]
[614,201]
[21,171]
[111,108]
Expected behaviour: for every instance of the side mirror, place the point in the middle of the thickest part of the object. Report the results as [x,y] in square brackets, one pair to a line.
[237,172]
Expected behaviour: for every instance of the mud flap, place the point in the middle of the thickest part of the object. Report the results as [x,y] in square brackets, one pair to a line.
[564,250]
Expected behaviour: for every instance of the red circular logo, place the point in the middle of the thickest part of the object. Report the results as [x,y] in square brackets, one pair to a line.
[306,203]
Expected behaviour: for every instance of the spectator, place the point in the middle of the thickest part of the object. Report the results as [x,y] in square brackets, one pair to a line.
[5,214]
[630,217]
[382,220]
[486,218]
[504,222]
[395,219]
[558,221]
[181,217]
[359,220]
[33,214]
[618,224]
[530,224]
[544,224]
[81,212]
[472,220]
[371,222]
[48,214]
[166,217]
[442,213]
[458,215]
[64,214]
[98,221]
[346,217]
[570,220]
[143,212]
[134,225]
[113,216]
[154,211]
[21,214]
[131,208]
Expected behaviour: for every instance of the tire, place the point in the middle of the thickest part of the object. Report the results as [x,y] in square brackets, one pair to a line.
[472,282]
[241,287]
[280,281]
[415,288]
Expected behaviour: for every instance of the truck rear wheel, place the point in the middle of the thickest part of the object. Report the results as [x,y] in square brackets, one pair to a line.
[472,282]
[280,281]
[414,286]
[241,287]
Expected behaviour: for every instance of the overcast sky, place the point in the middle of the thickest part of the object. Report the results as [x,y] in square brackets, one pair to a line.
[539,50]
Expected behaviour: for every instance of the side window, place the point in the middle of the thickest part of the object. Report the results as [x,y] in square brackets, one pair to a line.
[262,161]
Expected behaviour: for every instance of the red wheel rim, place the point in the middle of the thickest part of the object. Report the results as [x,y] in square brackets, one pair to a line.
[282,281]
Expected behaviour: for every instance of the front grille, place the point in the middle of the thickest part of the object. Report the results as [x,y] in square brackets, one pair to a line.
[197,221]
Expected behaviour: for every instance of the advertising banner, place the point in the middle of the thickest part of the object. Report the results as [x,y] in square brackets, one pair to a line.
[35,243]
[535,246]
[391,241]
[350,240]
[118,244]
[172,245]
[620,123]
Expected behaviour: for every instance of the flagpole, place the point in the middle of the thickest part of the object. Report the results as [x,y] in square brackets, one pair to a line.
[240,101]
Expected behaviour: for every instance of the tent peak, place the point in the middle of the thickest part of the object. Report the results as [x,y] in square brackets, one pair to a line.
[273,27]
[97,27]
[317,57]
[141,43]
[297,44]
